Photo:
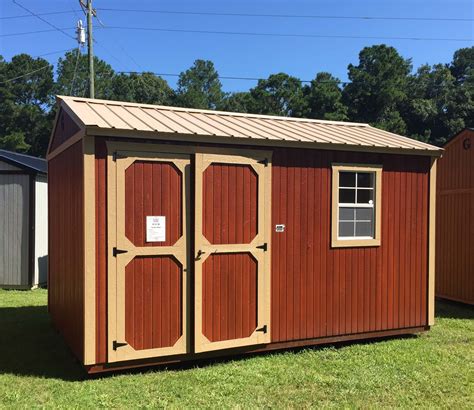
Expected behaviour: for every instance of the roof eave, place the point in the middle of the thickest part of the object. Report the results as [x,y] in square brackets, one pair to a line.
[93,130]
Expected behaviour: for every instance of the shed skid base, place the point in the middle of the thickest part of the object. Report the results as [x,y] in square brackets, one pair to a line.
[108,367]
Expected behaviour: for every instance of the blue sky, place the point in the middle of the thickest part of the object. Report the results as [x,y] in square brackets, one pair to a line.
[245,56]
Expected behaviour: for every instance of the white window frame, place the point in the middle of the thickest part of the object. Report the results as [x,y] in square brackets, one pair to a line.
[356,241]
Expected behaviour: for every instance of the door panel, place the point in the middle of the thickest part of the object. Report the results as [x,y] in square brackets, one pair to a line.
[232,232]
[148,274]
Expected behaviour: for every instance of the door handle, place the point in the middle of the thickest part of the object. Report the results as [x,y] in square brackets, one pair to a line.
[199,254]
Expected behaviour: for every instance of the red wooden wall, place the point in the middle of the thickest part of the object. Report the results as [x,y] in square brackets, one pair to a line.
[455,220]
[318,291]
[66,246]
[65,129]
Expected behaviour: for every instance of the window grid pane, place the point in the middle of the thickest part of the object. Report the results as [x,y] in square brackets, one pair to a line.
[357,220]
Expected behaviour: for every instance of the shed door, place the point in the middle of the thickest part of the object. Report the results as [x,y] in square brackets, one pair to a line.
[149,267]
[232,234]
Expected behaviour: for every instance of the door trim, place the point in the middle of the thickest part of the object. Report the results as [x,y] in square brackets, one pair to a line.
[116,238]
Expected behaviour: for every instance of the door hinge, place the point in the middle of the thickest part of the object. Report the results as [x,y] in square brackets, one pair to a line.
[264,247]
[264,162]
[116,251]
[262,329]
[116,344]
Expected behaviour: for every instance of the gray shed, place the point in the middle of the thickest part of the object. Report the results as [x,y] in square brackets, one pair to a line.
[23,221]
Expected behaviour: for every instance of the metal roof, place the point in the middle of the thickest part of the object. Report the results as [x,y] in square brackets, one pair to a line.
[239,127]
[24,161]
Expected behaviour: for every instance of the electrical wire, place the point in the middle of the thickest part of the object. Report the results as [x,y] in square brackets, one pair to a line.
[75,70]
[42,19]
[219,14]
[25,75]
[240,33]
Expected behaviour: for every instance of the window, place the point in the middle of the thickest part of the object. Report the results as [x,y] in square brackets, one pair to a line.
[356,205]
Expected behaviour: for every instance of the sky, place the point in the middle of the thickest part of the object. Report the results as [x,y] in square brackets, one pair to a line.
[243,55]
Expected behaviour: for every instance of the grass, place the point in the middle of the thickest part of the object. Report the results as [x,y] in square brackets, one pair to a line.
[435,369]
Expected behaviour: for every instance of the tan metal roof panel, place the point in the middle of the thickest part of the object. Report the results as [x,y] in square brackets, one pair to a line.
[266,129]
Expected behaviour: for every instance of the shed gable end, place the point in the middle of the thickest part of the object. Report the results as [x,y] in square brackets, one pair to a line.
[65,128]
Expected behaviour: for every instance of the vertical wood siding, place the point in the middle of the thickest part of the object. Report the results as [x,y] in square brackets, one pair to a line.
[229,296]
[152,188]
[229,203]
[65,129]
[15,230]
[321,291]
[152,302]
[455,221]
[66,246]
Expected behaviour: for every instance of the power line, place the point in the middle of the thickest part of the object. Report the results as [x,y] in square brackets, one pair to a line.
[25,75]
[222,77]
[295,16]
[51,13]
[42,19]
[24,33]
[241,33]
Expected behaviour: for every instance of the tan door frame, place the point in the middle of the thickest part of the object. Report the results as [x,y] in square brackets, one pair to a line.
[261,164]
[121,156]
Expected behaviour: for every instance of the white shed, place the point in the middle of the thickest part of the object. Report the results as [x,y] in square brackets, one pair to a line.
[23,221]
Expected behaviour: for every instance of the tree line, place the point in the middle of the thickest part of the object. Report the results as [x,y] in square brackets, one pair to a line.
[429,104]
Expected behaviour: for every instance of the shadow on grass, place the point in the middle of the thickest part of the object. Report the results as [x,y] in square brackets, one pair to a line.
[453,310]
[29,346]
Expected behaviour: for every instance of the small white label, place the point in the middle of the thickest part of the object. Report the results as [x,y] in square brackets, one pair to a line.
[280,228]
[155,228]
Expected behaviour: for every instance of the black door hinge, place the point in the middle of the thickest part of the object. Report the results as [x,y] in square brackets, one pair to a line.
[264,247]
[116,344]
[264,162]
[116,251]
[262,329]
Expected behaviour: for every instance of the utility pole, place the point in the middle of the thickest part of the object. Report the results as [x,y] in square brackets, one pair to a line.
[90,50]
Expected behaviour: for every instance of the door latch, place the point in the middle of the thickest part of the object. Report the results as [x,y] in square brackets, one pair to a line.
[116,251]
[199,254]
[262,329]
[264,247]
[116,344]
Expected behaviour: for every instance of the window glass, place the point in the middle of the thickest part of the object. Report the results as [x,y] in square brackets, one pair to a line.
[347,196]
[347,179]
[356,204]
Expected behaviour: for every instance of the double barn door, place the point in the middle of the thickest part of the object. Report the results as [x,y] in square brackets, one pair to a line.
[188,238]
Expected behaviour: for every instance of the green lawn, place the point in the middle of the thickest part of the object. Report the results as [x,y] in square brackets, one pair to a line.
[435,369]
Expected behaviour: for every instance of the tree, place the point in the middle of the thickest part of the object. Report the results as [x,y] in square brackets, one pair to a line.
[462,66]
[73,76]
[25,118]
[237,102]
[145,88]
[378,87]
[438,106]
[199,86]
[324,98]
[280,94]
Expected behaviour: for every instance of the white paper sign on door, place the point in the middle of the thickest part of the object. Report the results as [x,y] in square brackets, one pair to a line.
[155,228]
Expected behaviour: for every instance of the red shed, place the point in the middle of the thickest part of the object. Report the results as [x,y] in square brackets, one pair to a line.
[455,216]
[178,234]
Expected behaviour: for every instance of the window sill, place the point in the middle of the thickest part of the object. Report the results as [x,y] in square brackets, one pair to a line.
[354,243]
